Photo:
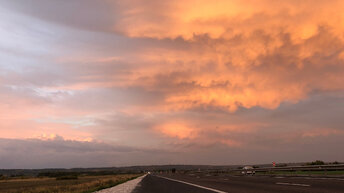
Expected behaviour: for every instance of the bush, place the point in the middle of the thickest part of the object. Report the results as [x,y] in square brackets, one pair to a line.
[57,174]
[317,162]
[69,177]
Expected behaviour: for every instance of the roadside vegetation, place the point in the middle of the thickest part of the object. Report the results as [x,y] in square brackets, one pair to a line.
[67,183]
[317,162]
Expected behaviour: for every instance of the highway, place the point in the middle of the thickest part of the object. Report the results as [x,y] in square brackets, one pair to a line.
[205,183]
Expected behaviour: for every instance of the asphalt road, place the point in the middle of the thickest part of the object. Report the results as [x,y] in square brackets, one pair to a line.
[186,183]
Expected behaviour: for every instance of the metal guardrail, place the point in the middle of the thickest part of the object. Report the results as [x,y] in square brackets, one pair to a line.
[297,168]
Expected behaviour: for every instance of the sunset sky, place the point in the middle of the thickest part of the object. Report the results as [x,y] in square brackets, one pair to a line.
[87,83]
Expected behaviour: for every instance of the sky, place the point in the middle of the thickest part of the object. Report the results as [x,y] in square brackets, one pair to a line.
[88,83]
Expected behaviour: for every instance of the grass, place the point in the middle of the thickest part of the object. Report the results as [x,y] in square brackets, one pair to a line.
[83,184]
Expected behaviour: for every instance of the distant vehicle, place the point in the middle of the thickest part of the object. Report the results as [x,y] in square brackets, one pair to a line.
[248,170]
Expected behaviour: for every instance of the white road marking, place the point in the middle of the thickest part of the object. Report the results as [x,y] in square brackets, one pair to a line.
[313,178]
[198,186]
[292,184]
[126,187]
[309,178]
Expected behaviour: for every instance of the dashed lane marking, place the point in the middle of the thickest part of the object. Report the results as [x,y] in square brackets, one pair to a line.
[292,184]
[313,178]
[198,186]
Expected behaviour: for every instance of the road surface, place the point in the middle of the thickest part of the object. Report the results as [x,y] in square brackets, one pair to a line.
[205,183]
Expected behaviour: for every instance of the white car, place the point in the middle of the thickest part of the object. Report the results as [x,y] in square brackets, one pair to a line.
[248,170]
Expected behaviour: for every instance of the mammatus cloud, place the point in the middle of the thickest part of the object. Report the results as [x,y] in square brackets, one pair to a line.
[242,53]
[236,53]
[246,75]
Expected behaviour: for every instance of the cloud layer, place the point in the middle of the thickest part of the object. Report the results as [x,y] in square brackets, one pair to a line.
[183,76]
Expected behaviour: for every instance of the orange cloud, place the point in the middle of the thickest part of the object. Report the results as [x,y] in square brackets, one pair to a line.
[204,133]
[177,130]
[172,19]
[223,54]
[237,53]
[194,56]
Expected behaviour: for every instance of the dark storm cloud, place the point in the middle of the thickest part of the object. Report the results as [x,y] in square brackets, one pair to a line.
[57,152]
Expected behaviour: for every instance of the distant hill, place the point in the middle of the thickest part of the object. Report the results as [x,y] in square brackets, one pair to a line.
[130,169]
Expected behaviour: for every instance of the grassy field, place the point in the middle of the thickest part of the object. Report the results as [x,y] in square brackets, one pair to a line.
[83,184]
